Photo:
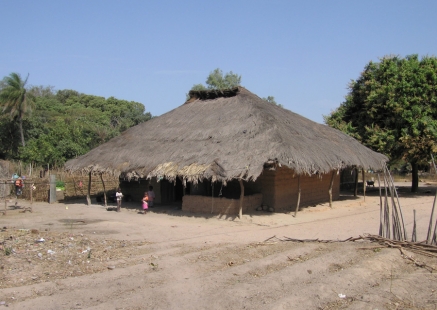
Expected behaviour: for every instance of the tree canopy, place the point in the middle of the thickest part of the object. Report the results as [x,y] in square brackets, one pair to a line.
[15,100]
[65,124]
[216,80]
[392,108]
[271,99]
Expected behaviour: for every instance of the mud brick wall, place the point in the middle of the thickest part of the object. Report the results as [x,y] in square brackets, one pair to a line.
[314,189]
[222,206]
[73,188]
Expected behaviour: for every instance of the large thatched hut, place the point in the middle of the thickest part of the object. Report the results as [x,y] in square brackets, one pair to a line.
[220,145]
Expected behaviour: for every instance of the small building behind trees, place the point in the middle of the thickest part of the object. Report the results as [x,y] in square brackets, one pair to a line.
[230,151]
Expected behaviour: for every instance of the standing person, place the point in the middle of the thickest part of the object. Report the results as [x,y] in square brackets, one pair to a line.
[119,196]
[145,202]
[18,189]
[151,195]
[18,186]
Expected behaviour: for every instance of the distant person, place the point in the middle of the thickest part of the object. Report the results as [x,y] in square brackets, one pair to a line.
[18,189]
[145,202]
[19,186]
[151,195]
[118,196]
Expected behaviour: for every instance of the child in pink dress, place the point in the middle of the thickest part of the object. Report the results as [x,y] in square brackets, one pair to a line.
[145,202]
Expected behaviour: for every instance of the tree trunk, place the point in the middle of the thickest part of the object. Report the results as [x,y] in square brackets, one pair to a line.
[414,178]
[21,132]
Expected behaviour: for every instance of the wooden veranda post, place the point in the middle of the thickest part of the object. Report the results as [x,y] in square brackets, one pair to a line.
[298,196]
[88,194]
[364,183]
[104,190]
[330,188]
[356,182]
[240,213]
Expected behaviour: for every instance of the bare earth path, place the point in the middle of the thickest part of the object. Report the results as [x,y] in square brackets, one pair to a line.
[74,256]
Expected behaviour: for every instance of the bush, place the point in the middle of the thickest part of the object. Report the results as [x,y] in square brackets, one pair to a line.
[60,184]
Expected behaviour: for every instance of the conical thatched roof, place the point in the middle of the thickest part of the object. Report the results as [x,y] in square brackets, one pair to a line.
[224,135]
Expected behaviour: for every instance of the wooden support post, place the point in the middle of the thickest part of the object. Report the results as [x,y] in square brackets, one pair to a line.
[298,196]
[88,195]
[240,214]
[104,191]
[330,188]
[364,184]
[356,182]
[31,196]
[6,204]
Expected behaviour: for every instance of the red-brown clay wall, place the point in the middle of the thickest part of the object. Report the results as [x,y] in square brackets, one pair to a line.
[221,206]
[278,190]
[314,189]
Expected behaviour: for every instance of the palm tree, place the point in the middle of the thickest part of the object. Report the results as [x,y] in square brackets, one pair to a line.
[15,100]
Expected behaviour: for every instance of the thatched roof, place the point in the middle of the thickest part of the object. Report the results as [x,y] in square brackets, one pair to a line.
[225,135]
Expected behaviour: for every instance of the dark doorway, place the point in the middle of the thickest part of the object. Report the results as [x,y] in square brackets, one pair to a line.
[171,192]
[179,190]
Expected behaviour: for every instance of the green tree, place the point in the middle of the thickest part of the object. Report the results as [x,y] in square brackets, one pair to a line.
[392,108]
[15,100]
[65,124]
[216,80]
[271,99]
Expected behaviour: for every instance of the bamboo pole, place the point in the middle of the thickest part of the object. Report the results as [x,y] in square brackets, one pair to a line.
[88,195]
[399,210]
[428,236]
[298,196]
[104,191]
[240,214]
[434,238]
[386,210]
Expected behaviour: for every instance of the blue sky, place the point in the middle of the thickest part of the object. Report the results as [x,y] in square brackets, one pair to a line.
[304,53]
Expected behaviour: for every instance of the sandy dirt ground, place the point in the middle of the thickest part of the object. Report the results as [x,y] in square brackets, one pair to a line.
[73,256]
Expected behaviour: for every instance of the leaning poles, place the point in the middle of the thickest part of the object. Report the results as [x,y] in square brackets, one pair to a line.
[428,236]
[397,225]
[381,225]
